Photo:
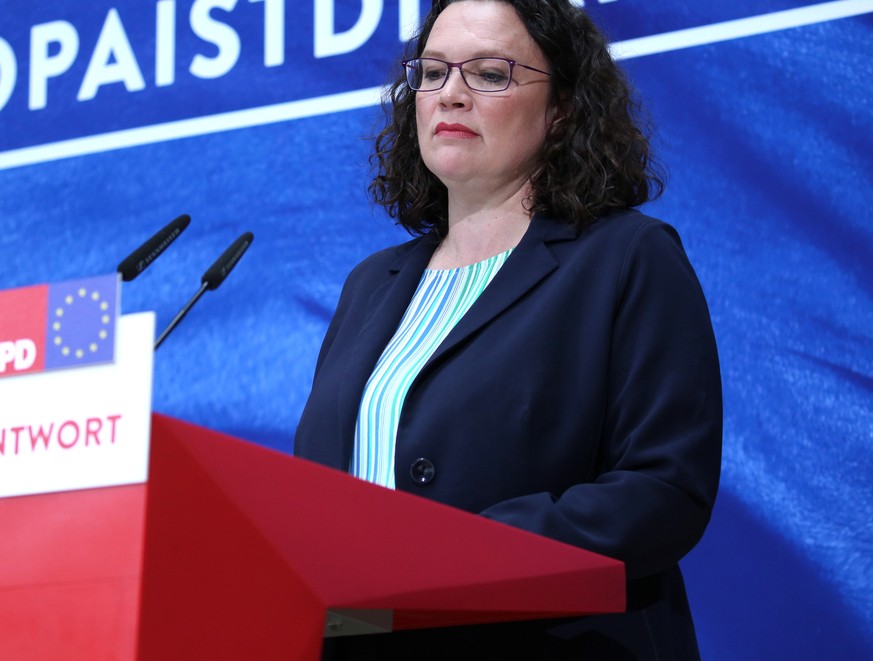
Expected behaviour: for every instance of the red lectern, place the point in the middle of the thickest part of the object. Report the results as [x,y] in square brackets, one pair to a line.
[236,551]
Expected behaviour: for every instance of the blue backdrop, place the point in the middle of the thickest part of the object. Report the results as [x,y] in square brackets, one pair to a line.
[115,117]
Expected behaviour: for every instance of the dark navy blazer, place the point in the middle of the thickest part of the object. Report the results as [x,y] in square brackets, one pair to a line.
[579,398]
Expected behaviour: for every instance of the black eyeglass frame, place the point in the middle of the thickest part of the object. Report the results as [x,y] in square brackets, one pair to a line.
[409,66]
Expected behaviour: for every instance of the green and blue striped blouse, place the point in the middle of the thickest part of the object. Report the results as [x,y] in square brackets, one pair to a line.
[443,296]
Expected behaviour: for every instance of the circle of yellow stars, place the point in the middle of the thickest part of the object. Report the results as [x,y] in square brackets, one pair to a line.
[57,326]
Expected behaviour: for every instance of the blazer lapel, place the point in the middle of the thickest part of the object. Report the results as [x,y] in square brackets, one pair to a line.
[529,263]
[385,309]
[389,301]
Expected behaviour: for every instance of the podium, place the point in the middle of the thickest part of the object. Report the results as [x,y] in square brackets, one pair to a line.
[232,550]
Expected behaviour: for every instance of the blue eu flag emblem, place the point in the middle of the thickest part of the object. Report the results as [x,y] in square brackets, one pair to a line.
[81,318]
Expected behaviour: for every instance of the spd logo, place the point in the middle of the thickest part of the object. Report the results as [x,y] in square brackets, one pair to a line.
[68,324]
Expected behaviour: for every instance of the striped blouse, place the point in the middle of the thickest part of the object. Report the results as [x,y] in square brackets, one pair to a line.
[443,296]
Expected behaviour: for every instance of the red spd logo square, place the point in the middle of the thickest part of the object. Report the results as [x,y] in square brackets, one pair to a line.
[22,329]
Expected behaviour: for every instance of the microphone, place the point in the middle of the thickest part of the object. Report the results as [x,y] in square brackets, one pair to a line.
[222,267]
[139,260]
[212,279]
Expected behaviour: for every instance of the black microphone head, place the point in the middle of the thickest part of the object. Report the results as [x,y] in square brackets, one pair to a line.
[212,278]
[224,264]
[139,259]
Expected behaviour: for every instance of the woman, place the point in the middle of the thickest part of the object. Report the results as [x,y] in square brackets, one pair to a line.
[541,353]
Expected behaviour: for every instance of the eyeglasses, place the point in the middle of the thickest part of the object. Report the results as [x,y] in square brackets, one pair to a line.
[481,74]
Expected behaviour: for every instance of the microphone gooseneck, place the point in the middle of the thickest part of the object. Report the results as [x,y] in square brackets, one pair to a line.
[213,277]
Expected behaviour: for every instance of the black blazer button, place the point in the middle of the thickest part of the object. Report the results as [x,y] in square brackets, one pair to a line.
[422,471]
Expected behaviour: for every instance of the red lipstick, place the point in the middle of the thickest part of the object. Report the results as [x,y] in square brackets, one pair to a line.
[454,131]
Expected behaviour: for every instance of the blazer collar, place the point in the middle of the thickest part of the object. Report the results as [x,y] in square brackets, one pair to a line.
[385,307]
[530,263]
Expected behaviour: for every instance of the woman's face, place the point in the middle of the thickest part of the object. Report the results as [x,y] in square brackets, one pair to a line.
[484,142]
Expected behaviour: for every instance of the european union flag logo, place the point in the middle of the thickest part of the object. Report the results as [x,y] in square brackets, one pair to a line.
[81,322]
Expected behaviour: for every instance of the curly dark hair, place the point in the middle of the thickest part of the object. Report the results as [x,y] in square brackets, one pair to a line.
[596,156]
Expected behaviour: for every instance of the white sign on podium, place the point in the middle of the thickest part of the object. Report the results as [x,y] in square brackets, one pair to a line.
[78,428]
